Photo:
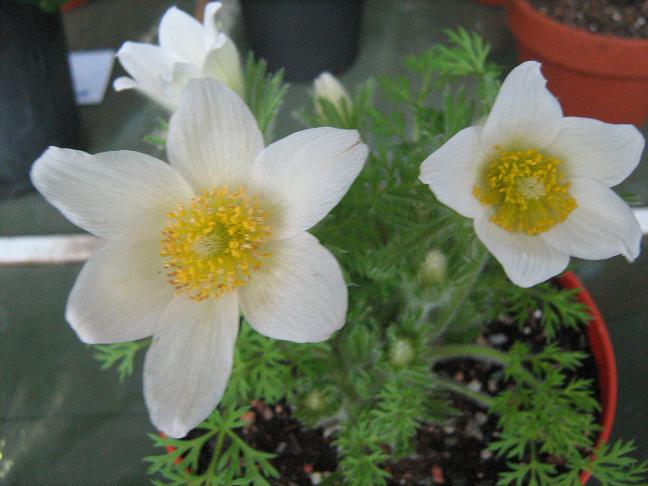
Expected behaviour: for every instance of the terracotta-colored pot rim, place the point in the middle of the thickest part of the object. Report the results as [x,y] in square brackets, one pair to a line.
[601,348]
[493,3]
[571,47]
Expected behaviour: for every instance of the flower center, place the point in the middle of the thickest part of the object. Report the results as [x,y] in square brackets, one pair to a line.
[527,190]
[212,244]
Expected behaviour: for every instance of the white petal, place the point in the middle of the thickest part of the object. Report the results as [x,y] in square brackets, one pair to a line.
[306,174]
[592,149]
[602,225]
[123,83]
[213,137]
[452,171]
[527,260]
[119,194]
[299,295]
[188,365]
[120,293]
[214,37]
[147,65]
[183,35]
[177,80]
[525,113]
[223,63]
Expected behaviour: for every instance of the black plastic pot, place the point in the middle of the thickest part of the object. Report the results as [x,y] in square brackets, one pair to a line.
[305,37]
[37,106]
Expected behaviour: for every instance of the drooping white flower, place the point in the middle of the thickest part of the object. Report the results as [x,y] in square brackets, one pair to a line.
[329,87]
[188,50]
[222,228]
[537,184]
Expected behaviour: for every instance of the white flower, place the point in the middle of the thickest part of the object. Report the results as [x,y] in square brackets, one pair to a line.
[537,184]
[187,50]
[328,87]
[222,228]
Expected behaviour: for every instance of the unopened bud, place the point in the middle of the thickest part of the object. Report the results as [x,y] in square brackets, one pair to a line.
[401,352]
[328,87]
[434,268]
[315,401]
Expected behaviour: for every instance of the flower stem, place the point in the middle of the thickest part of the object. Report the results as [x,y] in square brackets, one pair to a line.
[471,351]
[458,303]
[479,398]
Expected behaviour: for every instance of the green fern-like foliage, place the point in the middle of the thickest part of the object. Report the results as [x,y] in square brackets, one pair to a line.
[546,420]
[558,307]
[233,461]
[374,380]
[264,93]
[121,356]
[261,370]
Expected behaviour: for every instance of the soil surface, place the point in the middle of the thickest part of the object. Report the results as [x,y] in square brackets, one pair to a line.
[622,18]
[455,453]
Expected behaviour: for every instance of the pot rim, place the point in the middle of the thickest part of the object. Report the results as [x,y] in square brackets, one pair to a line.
[600,347]
[574,48]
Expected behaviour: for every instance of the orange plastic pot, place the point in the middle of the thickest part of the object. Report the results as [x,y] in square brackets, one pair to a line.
[593,75]
[601,348]
[496,3]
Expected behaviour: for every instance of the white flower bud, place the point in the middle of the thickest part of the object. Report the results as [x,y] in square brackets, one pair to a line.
[328,87]
[434,268]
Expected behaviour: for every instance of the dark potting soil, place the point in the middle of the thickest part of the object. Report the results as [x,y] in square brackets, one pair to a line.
[622,18]
[455,453]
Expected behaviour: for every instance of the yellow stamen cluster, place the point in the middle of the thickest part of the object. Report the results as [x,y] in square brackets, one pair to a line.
[213,244]
[527,191]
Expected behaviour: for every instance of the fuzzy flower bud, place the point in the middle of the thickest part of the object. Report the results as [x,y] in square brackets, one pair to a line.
[434,269]
[401,352]
[315,401]
[329,87]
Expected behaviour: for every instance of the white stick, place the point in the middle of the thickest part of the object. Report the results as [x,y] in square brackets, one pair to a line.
[57,249]
[46,250]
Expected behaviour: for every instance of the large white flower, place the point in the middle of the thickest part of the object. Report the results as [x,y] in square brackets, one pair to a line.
[538,184]
[187,50]
[222,228]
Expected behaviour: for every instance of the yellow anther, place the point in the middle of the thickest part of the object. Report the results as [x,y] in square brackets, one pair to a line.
[527,191]
[211,243]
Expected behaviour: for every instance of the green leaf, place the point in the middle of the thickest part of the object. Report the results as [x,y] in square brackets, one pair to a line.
[119,355]
[264,93]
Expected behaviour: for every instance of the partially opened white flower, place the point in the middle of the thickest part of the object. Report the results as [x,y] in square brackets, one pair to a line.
[538,184]
[188,50]
[329,87]
[222,228]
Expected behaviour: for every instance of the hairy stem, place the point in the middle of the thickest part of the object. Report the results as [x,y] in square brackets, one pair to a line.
[458,303]
[471,351]
[479,398]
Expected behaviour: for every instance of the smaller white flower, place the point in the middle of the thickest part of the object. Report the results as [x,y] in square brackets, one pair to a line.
[221,230]
[537,184]
[329,87]
[188,50]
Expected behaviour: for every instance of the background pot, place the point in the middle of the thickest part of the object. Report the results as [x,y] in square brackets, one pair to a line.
[601,347]
[37,106]
[305,37]
[497,3]
[593,75]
